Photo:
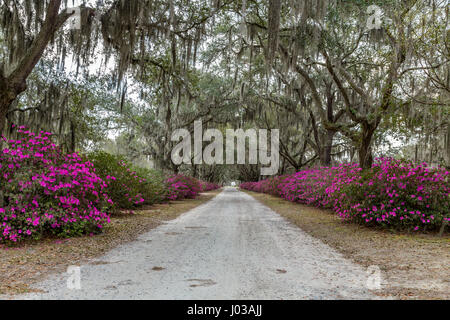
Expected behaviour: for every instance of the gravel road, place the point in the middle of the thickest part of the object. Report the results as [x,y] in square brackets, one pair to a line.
[232,247]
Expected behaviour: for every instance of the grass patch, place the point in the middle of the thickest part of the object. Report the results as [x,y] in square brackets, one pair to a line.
[414,266]
[30,261]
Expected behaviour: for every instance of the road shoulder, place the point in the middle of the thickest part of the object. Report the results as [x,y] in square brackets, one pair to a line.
[31,262]
[412,266]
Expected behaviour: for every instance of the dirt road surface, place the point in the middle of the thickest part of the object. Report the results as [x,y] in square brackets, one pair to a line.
[231,247]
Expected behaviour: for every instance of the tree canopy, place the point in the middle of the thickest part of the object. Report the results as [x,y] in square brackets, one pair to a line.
[342,80]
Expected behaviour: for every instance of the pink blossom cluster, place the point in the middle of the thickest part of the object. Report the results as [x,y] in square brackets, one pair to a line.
[208,186]
[182,187]
[45,191]
[393,193]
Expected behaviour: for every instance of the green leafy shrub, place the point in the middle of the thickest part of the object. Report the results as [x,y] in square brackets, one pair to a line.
[129,187]
[154,189]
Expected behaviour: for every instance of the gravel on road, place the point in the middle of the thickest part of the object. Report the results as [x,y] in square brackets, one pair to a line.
[232,247]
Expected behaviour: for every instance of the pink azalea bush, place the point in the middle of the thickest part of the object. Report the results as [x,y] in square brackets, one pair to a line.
[43,191]
[46,192]
[130,187]
[271,186]
[208,186]
[181,187]
[393,193]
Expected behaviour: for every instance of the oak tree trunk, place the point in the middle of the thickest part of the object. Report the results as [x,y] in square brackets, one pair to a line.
[14,83]
[325,157]
[365,148]
[7,95]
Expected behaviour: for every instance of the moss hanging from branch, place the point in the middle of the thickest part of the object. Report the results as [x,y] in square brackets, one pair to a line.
[273,29]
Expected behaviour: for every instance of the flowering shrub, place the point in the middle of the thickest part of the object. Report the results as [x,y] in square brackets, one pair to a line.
[181,187]
[208,186]
[128,187]
[393,193]
[44,191]
[311,186]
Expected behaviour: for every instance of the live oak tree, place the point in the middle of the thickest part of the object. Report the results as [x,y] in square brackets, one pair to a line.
[333,48]
[24,53]
[310,68]
[127,30]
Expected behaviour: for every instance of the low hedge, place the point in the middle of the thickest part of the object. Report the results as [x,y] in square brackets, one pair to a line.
[44,191]
[393,193]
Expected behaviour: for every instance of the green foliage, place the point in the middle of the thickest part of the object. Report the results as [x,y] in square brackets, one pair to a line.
[153,189]
[128,187]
